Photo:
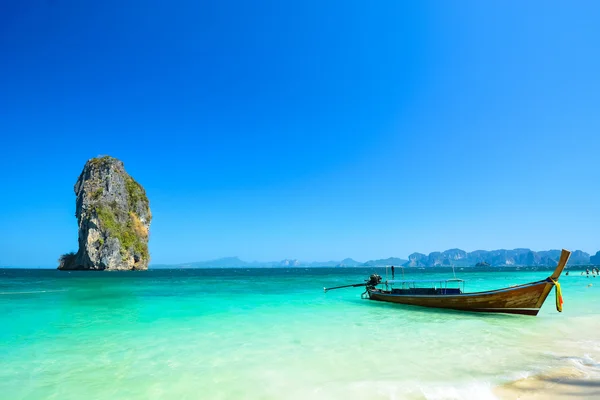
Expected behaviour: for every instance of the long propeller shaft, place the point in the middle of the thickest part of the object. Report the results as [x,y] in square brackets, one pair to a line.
[345,286]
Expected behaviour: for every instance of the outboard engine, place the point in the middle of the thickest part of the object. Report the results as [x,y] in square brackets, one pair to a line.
[373,281]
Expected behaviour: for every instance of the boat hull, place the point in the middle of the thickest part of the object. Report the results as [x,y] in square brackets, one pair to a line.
[523,299]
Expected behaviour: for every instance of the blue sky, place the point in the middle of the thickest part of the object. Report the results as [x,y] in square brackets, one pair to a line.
[310,130]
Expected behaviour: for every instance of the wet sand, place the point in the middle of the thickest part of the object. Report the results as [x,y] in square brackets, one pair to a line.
[563,383]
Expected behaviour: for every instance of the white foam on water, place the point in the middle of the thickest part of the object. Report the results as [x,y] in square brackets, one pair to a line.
[586,364]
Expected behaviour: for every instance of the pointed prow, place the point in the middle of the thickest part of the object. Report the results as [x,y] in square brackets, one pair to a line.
[562,262]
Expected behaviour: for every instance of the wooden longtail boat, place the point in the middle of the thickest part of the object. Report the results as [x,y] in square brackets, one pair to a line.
[524,299]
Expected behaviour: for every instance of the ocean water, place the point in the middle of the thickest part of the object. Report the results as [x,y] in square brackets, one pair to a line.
[274,334]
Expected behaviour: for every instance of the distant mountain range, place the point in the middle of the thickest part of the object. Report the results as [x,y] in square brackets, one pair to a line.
[452,257]
[461,258]
[235,262]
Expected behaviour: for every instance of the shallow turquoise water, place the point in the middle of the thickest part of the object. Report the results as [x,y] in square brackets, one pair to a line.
[273,334]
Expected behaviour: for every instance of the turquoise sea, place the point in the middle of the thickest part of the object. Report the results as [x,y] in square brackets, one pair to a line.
[274,334]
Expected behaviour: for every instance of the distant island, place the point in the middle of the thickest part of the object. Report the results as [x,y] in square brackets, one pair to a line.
[452,257]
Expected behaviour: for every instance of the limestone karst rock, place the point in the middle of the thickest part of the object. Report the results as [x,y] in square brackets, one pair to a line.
[113,216]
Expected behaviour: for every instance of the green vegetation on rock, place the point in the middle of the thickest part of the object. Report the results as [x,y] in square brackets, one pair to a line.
[128,233]
[135,192]
[96,195]
[66,260]
[101,160]
[108,220]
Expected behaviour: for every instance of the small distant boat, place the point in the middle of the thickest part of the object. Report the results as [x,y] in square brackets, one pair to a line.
[526,299]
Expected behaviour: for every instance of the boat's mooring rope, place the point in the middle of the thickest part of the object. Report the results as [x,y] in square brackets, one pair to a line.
[559,298]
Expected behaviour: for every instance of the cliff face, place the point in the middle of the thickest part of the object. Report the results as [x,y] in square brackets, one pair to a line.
[417,260]
[113,215]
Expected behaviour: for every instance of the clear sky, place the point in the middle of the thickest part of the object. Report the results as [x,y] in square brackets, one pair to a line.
[305,129]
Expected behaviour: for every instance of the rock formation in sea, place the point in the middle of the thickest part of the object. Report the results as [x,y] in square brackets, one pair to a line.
[113,215]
